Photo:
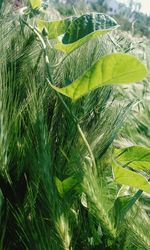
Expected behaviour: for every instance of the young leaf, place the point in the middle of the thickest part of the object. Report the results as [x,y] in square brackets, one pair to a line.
[127,177]
[69,183]
[65,185]
[136,157]
[35,4]
[85,28]
[54,28]
[59,186]
[116,68]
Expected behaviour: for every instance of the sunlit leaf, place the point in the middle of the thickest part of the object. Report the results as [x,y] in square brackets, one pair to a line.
[54,28]
[136,157]
[116,68]
[127,177]
[35,4]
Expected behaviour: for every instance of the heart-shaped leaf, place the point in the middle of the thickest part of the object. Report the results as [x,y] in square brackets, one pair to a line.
[136,157]
[85,28]
[77,30]
[116,68]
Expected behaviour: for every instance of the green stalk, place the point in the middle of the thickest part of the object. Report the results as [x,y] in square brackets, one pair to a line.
[45,51]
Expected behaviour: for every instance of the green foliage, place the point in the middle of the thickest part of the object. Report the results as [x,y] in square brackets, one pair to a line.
[57,188]
[127,177]
[135,157]
[78,30]
[65,185]
[54,28]
[86,24]
[112,69]
[35,4]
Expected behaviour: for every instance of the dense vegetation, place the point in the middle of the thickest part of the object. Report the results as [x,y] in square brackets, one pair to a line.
[74,145]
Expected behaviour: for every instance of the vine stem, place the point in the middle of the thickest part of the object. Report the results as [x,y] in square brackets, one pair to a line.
[48,67]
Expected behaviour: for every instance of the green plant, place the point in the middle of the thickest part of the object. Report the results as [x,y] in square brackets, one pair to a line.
[56,180]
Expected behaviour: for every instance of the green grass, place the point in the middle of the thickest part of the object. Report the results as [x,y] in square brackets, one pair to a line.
[39,141]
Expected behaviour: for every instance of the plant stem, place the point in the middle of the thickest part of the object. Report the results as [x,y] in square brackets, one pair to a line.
[87,145]
[48,67]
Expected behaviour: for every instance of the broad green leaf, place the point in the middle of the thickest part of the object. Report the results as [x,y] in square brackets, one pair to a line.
[116,68]
[35,4]
[54,28]
[127,177]
[136,157]
[84,28]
